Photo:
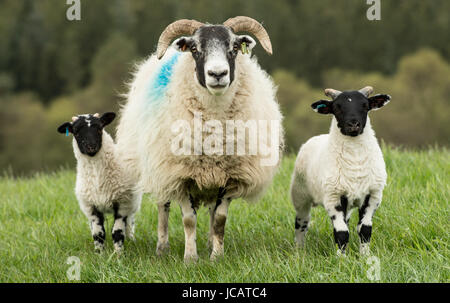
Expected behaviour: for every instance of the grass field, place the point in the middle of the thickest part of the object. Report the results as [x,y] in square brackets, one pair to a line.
[41,226]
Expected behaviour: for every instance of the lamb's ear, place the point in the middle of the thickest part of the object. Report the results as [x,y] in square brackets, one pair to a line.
[378,101]
[107,118]
[323,107]
[183,44]
[65,128]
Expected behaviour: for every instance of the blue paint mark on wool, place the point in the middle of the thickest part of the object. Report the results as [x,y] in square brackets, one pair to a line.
[162,79]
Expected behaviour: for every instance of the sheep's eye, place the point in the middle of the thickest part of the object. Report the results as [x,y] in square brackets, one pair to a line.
[235,48]
[193,49]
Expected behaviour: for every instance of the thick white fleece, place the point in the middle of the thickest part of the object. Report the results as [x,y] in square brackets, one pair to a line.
[101,182]
[144,133]
[329,166]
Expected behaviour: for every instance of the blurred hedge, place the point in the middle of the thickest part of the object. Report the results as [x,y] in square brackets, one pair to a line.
[417,116]
[52,68]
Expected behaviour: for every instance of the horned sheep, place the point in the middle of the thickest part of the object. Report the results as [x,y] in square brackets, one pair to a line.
[206,75]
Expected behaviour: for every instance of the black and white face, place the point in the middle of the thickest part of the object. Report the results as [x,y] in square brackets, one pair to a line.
[350,110]
[214,49]
[87,131]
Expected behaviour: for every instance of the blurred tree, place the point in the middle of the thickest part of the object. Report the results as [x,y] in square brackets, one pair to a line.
[6,84]
[419,113]
[56,68]
[45,53]
[22,131]
[59,150]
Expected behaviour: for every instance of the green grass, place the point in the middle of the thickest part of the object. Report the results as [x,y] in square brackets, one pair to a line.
[41,226]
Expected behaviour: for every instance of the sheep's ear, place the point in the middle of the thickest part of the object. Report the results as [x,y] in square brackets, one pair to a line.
[378,101]
[65,127]
[250,43]
[107,118]
[323,107]
[183,44]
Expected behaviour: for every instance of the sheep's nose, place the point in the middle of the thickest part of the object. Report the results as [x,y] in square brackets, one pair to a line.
[354,125]
[218,74]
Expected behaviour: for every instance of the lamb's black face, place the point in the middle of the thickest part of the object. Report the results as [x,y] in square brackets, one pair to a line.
[87,131]
[214,49]
[350,110]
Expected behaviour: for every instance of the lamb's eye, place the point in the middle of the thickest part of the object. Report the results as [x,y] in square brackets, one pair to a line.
[235,48]
[193,49]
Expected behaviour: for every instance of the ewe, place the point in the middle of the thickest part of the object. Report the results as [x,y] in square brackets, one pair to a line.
[343,169]
[101,186]
[208,74]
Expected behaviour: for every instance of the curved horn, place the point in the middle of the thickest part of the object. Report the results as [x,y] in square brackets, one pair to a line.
[332,93]
[247,24]
[173,30]
[74,118]
[366,91]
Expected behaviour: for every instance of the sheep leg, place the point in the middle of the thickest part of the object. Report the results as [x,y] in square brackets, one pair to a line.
[118,230]
[212,211]
[133,208]
[337,210]
[348,215]
[163,229]
[302,203]
[302,219]
[189,213]
[129,228]
[96,221]
[366,212]
[218,228]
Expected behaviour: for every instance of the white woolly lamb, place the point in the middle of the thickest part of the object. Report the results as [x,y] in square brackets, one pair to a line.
[207,78]
[343,169]
[101,186]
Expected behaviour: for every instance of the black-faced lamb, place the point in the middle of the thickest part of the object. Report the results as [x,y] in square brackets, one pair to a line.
[101,186]
[343,169]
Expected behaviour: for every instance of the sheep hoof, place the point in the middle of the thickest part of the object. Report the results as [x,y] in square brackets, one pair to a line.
[300,243]
[99,248]
[364,250]
[162,249]
[190,259]
[216,256]
[118,248]
[341,253]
